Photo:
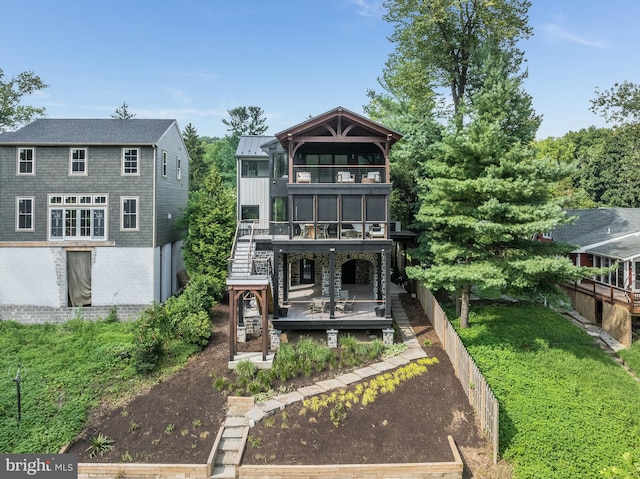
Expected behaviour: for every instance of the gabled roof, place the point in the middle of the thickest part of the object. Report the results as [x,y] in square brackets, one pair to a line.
[112,131]
[251,146]
[338,123]
[613,232]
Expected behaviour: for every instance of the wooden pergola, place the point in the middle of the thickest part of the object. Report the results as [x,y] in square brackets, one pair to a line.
[236,292]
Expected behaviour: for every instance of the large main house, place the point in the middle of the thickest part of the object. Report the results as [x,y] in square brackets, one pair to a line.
[88,209]
[314,246]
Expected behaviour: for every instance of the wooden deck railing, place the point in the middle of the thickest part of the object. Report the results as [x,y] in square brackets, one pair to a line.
[609,293]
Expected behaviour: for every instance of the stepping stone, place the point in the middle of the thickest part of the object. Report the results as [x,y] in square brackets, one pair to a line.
[365,372]
[349,378]
[230,444]
[289,398]
[223,472]
[331,384]
[310,391]
[383,366]
[235,421]
[233,432]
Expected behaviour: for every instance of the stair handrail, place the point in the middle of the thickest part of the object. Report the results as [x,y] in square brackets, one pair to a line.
[233,249]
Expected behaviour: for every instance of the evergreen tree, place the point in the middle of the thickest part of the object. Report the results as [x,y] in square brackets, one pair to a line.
[486,196]
[123,113]
[197,166]
[210,222]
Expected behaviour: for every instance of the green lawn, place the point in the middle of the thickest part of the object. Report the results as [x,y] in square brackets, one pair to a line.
[566,409]
[67,369]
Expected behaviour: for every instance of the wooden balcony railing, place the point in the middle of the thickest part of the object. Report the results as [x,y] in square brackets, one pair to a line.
[609,293]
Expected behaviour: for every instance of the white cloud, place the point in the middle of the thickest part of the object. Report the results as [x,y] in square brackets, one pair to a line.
[369,8]
[556,32]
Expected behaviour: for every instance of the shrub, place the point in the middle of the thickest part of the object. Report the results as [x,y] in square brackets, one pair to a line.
[188,313]
[151,329]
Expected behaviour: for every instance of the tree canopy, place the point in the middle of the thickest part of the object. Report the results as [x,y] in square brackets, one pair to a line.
[210,222]
[123,113]
[12,113]
[482,192]
[485,196]
[437,43]
[245,120]
[197,166]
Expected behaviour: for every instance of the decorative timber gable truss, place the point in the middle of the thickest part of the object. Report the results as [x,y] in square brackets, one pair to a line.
[338,126]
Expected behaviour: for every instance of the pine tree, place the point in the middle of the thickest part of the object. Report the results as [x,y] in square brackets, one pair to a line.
[210,222]
[197,166]
[486,195]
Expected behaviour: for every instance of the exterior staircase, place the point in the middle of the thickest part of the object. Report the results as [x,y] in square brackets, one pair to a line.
[232,438]
[241,264]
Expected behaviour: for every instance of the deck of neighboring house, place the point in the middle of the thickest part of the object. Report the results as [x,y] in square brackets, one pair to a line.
[608,293]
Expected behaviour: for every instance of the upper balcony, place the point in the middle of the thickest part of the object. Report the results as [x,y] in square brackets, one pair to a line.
[342,174]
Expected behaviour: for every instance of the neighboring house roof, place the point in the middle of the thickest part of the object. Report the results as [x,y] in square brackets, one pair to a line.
[612,232]
[88,132]
[252,146]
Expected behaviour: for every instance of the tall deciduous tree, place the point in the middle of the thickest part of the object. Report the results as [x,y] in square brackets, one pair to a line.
[619,104]
[12,113]
[437,43]
[486,196]
[123,113]
[197,166]
[210,222]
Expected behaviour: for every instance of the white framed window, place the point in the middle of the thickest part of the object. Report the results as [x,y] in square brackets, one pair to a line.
[178,168]
[78,217]
[130,161]
[78,161]
[24,214]
[164,164]
[129,214]
[26,162]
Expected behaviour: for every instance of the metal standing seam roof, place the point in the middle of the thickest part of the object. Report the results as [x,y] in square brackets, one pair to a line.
[88,132]
[250,145]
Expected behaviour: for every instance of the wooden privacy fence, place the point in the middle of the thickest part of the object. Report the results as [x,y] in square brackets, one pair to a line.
[473,382]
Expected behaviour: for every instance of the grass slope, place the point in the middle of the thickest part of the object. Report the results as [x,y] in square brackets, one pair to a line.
[66,369]
[566,409]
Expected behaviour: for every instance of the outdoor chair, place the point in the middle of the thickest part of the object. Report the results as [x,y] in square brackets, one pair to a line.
[376,231]
[346,305]
[345,177]
[316,306]
[303,177]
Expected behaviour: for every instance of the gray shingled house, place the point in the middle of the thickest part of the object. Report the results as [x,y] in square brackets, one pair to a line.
[88,210]
[604,237]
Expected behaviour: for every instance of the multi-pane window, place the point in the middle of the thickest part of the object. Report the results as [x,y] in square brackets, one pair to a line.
[164,164]
[178,168]
[129,213]
[254,168]
[130,161]
[73,217]
[78,161]
[26,161]
[24,216]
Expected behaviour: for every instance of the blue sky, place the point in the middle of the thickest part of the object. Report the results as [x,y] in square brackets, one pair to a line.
[192,60]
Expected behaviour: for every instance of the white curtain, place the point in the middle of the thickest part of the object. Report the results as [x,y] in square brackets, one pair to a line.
[79,277]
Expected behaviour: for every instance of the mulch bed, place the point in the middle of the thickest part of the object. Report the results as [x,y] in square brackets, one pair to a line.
[177,420]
